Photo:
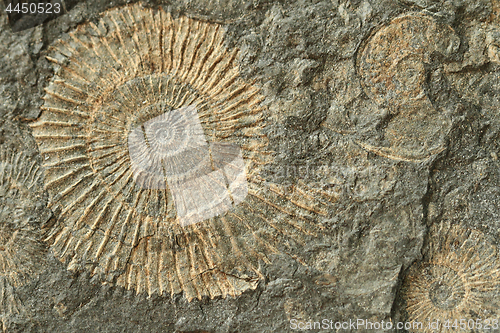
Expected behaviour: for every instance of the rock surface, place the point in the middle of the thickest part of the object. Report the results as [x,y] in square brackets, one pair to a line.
[391,107]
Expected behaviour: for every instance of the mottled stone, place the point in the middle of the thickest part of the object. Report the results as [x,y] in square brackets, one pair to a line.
[381,126]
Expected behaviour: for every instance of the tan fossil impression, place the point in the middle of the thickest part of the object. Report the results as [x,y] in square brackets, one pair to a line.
[391,65]
[22,252]
[459,278]
[134,66]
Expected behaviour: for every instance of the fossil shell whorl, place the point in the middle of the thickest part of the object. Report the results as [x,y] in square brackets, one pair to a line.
[391,63]
[20,248]
[392,67]
[145,113]
[22,253]
[458,280]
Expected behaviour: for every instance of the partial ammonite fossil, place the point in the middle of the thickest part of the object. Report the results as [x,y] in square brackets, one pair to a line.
[152,147]
[392,65]
[458,281]
[22,252]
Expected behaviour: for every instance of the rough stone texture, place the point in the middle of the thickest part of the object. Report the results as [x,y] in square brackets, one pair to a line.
[328,132]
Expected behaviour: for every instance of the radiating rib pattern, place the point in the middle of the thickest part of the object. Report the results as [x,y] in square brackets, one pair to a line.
[114,76]
[460,279]
[22,252]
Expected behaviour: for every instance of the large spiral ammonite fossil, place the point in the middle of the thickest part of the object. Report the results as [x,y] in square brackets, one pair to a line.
[152,147]
[458,281]
[22,252]
[392,66]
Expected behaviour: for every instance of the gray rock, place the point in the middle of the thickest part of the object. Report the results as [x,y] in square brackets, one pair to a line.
[327,129]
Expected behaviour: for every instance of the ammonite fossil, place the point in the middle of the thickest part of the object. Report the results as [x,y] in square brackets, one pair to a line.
[392,65]
[152,147]
[457,282]
[22,252]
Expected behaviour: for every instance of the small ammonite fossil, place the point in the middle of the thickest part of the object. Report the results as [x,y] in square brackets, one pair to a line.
[392,66]
[152,147]
[22,252]
[458,281]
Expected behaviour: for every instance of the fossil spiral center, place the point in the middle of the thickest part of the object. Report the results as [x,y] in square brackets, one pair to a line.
[444,293]
[164,134]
